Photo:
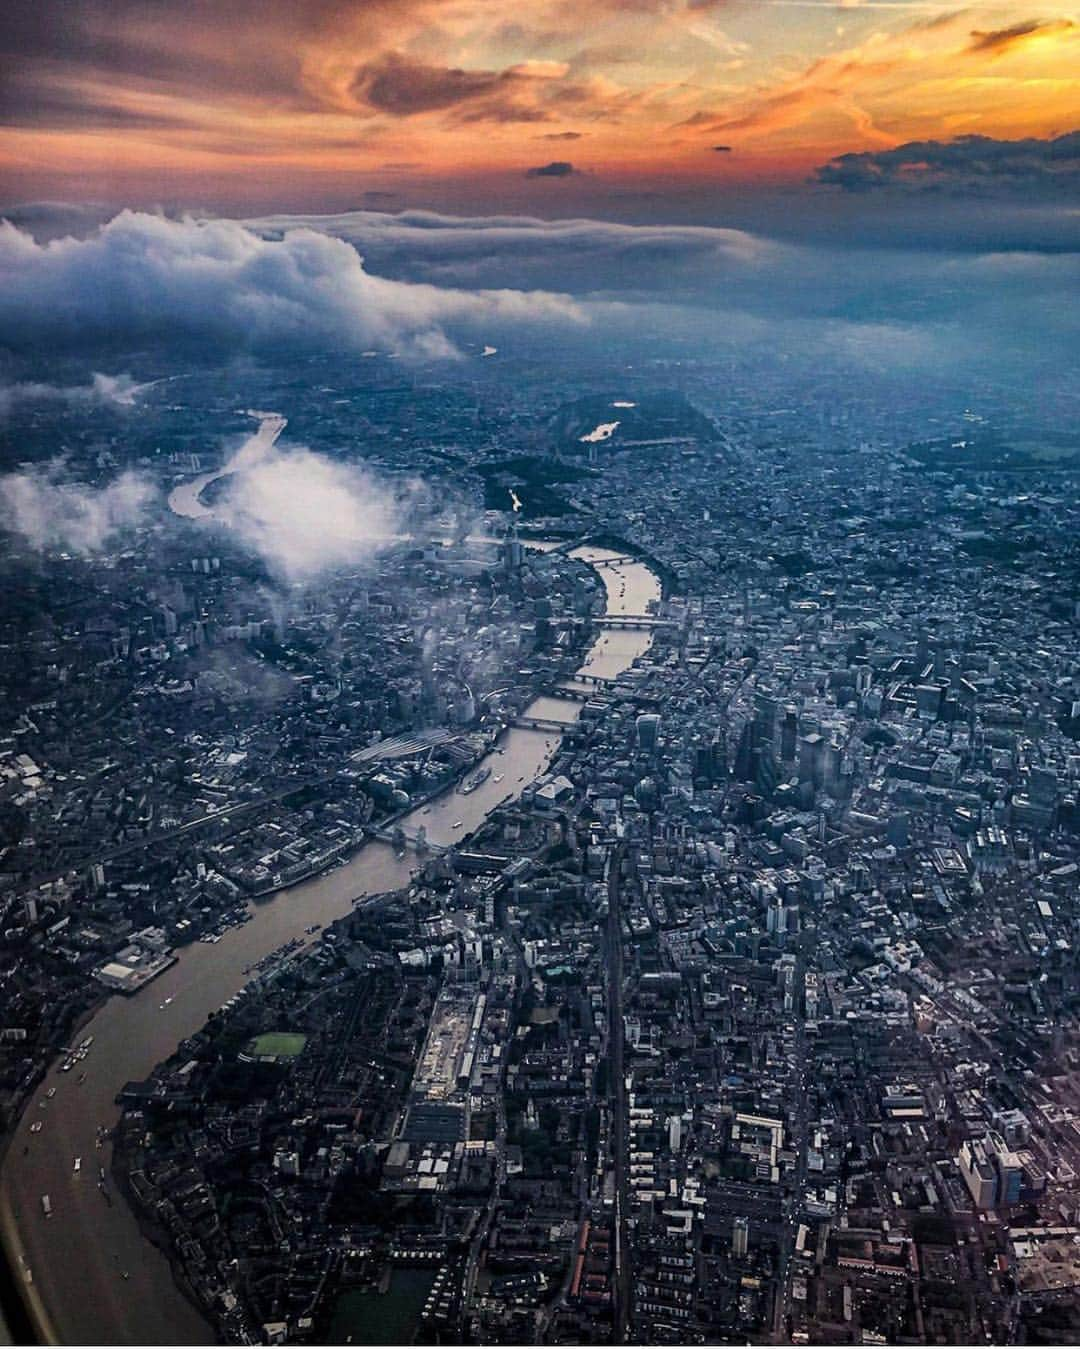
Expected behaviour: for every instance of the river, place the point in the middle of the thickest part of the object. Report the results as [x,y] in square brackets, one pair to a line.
[73,1264]
[186,498]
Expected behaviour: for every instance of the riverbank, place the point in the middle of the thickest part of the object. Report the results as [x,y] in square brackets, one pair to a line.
[78,1294]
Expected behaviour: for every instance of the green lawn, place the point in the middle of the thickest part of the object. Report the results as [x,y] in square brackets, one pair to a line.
[278,1044]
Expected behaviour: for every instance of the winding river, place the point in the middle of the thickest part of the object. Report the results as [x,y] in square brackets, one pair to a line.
[186,498]
[88,1274]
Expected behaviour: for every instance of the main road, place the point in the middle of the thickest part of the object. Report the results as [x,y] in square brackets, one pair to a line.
[620,1115]
[87,1273]
[792,1208]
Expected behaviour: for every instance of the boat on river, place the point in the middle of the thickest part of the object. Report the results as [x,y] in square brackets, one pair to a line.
[474,780]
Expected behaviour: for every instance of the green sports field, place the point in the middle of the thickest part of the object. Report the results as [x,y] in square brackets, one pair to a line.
[277,1044]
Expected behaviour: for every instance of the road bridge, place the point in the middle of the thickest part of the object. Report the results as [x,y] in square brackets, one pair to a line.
[617,561]
[546,724]
[607,690]
[644,622]
[410,837]
[567,545]
[582,694]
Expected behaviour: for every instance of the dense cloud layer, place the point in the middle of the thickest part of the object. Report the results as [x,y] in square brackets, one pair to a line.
[278,283]
[895,308]
[50,511]
[147,277]
[272,284]
[580,256]
[700,266]
[47,220]
[968,164]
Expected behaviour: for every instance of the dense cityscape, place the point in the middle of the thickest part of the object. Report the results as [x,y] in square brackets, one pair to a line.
[633,902]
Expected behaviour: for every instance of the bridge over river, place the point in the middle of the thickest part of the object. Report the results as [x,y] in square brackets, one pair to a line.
[546,724]
[416,839]
[643,622]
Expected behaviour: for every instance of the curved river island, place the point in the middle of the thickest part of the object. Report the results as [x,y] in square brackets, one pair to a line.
[88,1274]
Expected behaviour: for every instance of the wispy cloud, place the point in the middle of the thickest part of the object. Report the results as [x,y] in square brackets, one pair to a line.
[50,510]
[119,391]
[1000,40]
[892,82]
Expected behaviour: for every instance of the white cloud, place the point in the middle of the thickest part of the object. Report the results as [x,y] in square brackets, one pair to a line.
[51,512]
[109,390]
[305,514]
[146,277]
[282,281]
[119,389]
[579,255]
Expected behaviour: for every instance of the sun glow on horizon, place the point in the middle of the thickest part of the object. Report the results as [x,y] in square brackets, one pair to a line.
[396,93]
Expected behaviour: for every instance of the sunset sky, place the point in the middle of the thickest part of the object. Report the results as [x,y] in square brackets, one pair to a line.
[553,105]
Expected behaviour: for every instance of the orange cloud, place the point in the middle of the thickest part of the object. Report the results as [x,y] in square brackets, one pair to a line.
[892,86]
[114,87]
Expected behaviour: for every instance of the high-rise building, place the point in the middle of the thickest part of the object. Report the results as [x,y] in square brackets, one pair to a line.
[1010,1170]
[740,1237]
[1037,806]
[811,759]
[789,734]
[1043,786]
[745,761]
[1014,1126]
[831,764]
[766,709]
[513,553]
[647,727]
[978,1172]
